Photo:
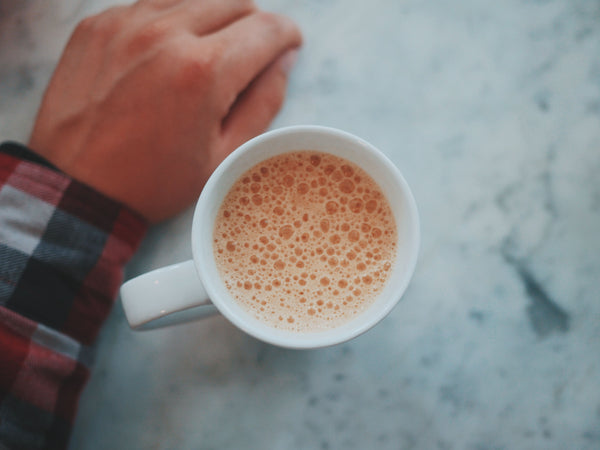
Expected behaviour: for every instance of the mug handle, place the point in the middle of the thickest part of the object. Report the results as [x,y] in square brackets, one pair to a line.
[166,296]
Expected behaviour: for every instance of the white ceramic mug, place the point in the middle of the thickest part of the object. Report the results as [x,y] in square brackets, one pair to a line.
[195,287]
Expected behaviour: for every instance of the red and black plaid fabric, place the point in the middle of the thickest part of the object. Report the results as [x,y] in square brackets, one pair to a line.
[62,251]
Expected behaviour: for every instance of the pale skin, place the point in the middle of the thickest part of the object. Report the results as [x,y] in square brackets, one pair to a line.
[147,99]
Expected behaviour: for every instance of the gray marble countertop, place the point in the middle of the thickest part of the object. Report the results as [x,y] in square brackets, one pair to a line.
[492,112]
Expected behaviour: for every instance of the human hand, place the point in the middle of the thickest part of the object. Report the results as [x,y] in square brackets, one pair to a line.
[148,99]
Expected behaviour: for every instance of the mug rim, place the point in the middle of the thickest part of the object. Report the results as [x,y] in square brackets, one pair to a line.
[205,214]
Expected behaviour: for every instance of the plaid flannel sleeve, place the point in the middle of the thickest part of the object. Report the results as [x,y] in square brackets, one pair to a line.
[62,251]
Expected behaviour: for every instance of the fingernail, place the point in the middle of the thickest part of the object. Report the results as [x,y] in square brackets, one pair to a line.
[288,60]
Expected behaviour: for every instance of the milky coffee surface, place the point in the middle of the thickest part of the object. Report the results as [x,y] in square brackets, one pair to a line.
[305,241]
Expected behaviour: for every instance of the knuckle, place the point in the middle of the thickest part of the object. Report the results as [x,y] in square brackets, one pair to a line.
[246,6]
[102,25]
[192,69]
[279,27]
[85,26]
[147,36]
[270,20]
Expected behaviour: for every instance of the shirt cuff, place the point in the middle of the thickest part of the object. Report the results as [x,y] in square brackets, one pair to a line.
[63,245]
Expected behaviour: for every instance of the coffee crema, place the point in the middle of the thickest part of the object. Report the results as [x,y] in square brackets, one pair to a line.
[305,241]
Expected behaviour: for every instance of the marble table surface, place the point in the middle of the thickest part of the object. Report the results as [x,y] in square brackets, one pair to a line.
[492,112]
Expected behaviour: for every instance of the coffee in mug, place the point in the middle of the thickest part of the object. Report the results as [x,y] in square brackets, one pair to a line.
[305,241]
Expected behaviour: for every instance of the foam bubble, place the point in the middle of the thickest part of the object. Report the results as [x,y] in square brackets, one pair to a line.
[346,186]
[371,206]
[286,231]
[331,207]
[356,205]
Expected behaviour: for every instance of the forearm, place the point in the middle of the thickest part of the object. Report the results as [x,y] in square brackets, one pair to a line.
[62,250]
